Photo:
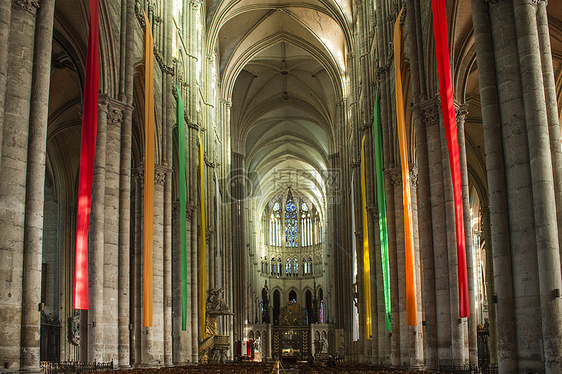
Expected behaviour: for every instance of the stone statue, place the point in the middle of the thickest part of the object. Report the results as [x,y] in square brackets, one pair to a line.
[215,301]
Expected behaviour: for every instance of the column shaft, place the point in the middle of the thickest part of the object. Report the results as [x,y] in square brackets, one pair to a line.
[125,222]
[499,247]
[13,179]
[472,337]
[194,290]
[544,201]
[96,247]
[111,231]
[5,18]
[456,323]
[438,224]
[33,245]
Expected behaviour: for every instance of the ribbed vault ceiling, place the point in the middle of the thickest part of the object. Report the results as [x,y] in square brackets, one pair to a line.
[283,68]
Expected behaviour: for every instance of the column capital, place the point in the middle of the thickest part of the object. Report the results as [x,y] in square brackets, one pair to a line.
[413,175]
[115,110]
[138,172]
[160,173]
[430,111]
[461,111]
[395,175]
[27,5]
[373,211]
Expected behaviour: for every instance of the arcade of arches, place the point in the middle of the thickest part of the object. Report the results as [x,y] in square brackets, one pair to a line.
[282,94]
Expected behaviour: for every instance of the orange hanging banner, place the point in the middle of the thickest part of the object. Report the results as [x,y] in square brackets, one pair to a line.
[411,301]
[148,172]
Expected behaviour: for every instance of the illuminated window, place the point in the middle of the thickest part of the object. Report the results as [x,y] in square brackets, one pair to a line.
[291,225]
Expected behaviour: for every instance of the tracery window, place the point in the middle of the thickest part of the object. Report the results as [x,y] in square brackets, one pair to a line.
[291,226]
[306,228]
[295,267]
[288,267]
[275,226]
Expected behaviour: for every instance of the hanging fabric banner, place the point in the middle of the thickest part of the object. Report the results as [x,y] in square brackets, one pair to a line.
[219,254]
[203,243]
[148,172]
[87,156]
[183,216]
[449,118]
[218,216]
[382,210]
[411,302]
[366,257]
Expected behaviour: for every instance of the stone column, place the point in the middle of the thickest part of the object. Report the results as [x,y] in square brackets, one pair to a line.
[125,250]
[396,233]
[111,231]
[13,177]
[168,264]
[240,256]
[398,264]
[5,16]
[472,337]
[496,178]
[485,211]
[423,218]
[194,289]
[456,323]
[153,347]
[33,239]
[96,247]
[442,319]
[425,208]
[415,335]
[183,350]
[551,109]
[169,109]
[544,201]
[523,259]
[136,279]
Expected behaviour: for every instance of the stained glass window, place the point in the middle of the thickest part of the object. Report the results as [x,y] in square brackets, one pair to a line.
[291,223]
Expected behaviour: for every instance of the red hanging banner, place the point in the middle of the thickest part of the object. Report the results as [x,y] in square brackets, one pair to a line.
[450,120]
[87,156]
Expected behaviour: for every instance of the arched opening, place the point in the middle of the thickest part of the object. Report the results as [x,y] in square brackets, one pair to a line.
[276,306]
[293,296]
[308,304]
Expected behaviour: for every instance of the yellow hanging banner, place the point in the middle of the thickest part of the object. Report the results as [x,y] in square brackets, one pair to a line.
[148,172]
[366,258]
[411,302]
[203,243]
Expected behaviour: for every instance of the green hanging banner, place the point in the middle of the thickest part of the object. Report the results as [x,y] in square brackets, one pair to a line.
[382,209]
[183,218]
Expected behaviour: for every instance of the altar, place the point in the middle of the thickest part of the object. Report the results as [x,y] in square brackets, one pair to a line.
[291,338]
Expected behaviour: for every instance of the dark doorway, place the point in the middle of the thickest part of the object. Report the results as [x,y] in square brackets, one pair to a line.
[308,302]
[293,296]
[276,306]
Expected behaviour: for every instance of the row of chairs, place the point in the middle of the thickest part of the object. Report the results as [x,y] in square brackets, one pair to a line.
[356,369]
